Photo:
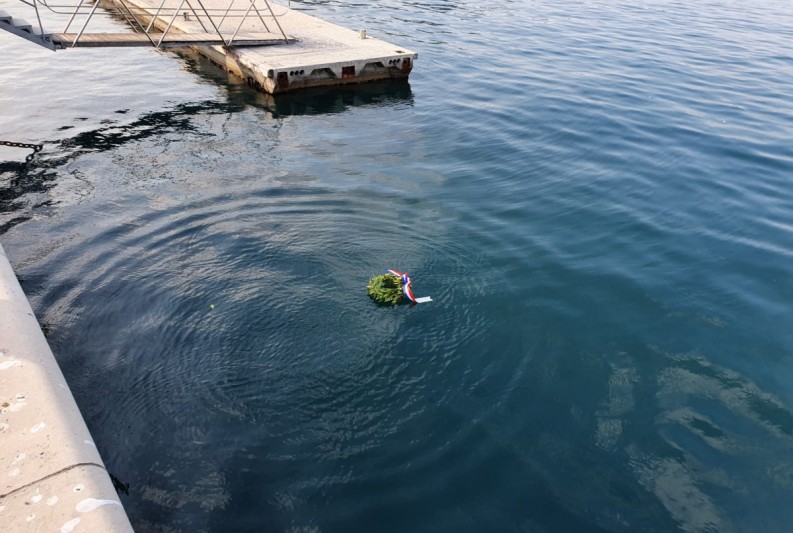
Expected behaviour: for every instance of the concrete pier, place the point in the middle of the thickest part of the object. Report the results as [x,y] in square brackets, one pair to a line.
[51,475]
[322,53]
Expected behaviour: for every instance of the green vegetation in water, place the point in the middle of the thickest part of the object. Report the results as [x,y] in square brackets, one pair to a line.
[385,289]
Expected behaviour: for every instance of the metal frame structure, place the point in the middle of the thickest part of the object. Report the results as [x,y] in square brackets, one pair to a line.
[146,23]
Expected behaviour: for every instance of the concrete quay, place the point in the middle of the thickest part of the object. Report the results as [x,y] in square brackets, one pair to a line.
[318,53]
[51,475]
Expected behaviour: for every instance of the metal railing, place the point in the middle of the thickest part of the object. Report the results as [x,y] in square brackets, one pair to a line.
[156,20]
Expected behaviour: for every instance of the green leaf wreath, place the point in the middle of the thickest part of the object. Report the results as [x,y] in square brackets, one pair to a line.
[385,289]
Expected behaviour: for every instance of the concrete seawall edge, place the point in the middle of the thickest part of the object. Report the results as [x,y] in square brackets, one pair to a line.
[51,475]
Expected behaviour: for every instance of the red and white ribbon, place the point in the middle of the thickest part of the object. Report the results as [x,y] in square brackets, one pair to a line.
[407,290]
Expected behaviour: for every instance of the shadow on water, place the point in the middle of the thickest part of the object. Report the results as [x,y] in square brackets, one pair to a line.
[20,180]
[15,182]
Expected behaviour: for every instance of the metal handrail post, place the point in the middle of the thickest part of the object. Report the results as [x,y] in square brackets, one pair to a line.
[260,16]
[76,9]
[167,28]
[231,4]
[38,16]
[156,14]
[276,21]
[212,22]
[121,13]
[240,24]
[203,26]
[131,14]
[87,20]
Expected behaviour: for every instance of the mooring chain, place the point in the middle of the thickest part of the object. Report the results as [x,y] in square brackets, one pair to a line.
[35,147]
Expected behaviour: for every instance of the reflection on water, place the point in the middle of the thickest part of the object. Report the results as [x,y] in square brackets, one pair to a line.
[315,101]
[32,180]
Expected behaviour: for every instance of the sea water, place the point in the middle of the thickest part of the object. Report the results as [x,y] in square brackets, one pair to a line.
[597,195]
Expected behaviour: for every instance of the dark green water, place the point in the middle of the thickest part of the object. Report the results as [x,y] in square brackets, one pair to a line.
[598,196]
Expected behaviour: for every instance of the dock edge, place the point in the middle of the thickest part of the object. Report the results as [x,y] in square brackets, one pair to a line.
[51,475]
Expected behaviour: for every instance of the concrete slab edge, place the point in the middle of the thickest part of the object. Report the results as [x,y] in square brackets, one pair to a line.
[51,475]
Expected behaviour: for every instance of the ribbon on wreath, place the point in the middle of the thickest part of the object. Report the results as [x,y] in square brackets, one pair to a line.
[408,292]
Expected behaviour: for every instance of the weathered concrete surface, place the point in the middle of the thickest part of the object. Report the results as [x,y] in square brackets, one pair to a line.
[323,54]
[51,475]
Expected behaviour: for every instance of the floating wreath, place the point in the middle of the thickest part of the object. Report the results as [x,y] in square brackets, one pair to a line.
[392,288]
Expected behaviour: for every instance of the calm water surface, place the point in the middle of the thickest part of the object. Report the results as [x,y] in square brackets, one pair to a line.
[599,197]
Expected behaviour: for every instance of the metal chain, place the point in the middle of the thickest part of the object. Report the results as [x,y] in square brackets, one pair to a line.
[35,147]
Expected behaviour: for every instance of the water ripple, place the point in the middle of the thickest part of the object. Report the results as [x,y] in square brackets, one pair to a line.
[596,195]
